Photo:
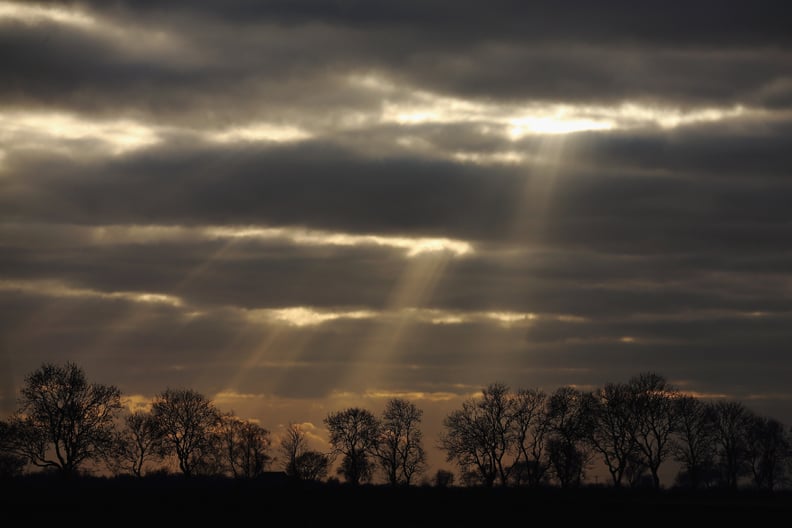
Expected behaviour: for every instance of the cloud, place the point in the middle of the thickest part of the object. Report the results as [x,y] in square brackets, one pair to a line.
[237,61]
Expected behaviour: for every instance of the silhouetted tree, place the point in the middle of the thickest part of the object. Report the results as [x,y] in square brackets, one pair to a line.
[481,434]
[637,472]
[610,409]
[137,442]
[246,446]
[693,443]
[443,478]
[767,450]
[400,449]
[530,426]
[298,460]
[354,434]
[63,421]
[188,425]
[653,419]
[311,466]
[569,427]
[11,465]
[731,423]
[292,445]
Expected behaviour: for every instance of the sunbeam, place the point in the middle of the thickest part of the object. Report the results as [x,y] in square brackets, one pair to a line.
[413,289]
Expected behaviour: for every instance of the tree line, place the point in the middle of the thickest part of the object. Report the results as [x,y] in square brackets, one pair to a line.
[530,437]
[502,437]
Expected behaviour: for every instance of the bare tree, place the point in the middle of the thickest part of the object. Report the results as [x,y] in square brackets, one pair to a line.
[400,450]
[530,436]
[246,446]
[443,478]
[311,466]
[354,434]
[731,422]
[653,419]
[136,443]
[11,464]
[693,444]
[480,435]
[293,444]
[767,451]
[569,427]
[466,443]
[63,421]
[187,422]
[299,461]
[609,408]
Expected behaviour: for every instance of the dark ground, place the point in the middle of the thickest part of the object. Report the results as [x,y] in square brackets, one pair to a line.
[163,501]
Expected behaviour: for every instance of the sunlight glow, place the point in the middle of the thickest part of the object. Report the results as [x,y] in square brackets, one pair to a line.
[785,396]
[411,107]
[413,289]
[666,117]
[412,247]
[31,128]
[411,395]
[299,236]
[706,395]
[508,157]
[58,289]
[304,316]
[136,402]
[136,40]
[229,396]
[502,318]
[260,132]
[32,14]
[346,397]
[557,124]
[404,308]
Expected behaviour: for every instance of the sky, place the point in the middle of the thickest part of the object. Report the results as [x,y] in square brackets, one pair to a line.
[296,207]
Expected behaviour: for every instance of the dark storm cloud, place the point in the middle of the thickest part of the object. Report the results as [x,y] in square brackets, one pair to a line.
[747,149]
[221,339]
[150,347]
[598,75]
[649,288]
[273,274]
[703,22]
[701,189]
[254,58]
[312,184]
[238,273]
[62,67]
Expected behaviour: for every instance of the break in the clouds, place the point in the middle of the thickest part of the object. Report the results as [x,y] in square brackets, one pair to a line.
[298,206]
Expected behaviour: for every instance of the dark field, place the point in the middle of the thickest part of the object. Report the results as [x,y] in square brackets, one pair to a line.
[130,502]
